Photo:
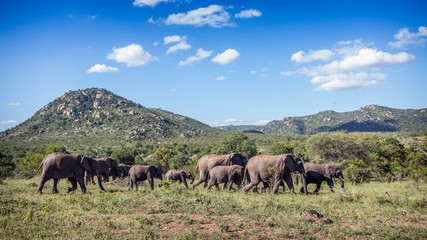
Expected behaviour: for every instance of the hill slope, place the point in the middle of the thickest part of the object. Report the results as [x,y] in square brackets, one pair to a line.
[100,115]
[371,118]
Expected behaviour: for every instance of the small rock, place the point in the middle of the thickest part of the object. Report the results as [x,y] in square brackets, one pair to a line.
[311,214]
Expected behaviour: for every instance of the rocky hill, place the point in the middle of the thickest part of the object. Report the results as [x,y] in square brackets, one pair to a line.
[372,118]
[100,115]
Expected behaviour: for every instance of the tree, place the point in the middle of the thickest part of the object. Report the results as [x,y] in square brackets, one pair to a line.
[237,142]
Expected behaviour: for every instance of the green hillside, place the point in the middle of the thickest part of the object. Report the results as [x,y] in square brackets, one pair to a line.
[97,115]
[372,118]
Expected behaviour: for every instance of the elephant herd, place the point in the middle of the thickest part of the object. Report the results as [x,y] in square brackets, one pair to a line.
[266,171]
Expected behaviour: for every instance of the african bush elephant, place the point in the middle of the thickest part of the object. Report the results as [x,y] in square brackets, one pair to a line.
[142,173]
[179,176]
[261,168]
[124,169]
[317,173]
[227,175]
[207,162]
[71,166]
[105,166]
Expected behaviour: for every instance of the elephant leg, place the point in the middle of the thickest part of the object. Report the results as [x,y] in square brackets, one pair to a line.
[318,187]
[151,182]
[289,183]
[211,183]
[225,185]
[73,182]
[330,183]
[82,184]
[203,178]
[229,185]
[55,185]
[251,185]
[43,180]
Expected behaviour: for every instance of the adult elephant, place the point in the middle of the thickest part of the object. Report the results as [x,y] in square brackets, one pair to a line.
[181,176]
[227,175]
[105,167]
[71,166]
[317,173]
[142,173]
[124,169]
[207,162]
[261,168]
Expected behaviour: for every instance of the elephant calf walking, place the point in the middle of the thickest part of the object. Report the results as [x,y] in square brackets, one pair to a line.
[179,176]
[227,175]
[142,173]
[317,173]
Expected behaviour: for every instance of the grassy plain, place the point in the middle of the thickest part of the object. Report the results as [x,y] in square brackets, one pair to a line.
[366,211]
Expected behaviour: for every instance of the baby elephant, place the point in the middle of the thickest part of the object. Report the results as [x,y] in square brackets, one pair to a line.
[179,176]
[227,175]
[142,173]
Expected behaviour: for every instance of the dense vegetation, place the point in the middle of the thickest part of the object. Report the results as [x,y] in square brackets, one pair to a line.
[371,118]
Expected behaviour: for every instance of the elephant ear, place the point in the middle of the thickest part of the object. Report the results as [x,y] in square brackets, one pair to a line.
[85,163]
[228,161]
[329,171]
[109,162]
[289,162]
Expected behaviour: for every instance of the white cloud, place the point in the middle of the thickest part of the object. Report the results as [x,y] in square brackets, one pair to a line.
[179,46]
[102,68]
[287,73]
[13,104]
[151,3]
[226,57]
[262,122]
[213,123]
[133,55]
[8,122]
[404,38]
[213,16]
[230,120]
[252,72]
[156,44]
[173,39]
[201,54]
[248,14]
[220,78]
[343,81]
[302,57]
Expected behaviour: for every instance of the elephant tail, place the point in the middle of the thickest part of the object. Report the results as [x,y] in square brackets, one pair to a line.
[246,177]
[41,164]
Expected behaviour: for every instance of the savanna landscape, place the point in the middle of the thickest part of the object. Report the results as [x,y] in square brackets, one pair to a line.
[189,119]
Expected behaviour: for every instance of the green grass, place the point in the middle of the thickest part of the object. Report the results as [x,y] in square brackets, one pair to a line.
[374,211]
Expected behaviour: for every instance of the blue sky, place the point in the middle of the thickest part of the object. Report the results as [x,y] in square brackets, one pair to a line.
[220,62]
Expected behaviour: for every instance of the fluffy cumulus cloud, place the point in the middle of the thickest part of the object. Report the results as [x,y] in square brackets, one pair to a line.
[201,54]
[302,57]
[342,81]
[348,65]
[13,104]
[248,14]
[226,57]
[213,16]
[8,122]
[98,68]
[150,3]
[404,38]
[181,44]
[133,55]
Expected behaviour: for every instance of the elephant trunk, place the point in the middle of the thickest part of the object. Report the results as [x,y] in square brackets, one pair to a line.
[342,181]
[304,182]
[192,180]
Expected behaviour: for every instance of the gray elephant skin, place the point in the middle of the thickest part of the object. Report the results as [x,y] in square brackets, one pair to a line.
[227,175]
[207,162]
[105,166]
[124,169]
[317,173]
[259,170]
[181,176]
[71,166]
[142,173]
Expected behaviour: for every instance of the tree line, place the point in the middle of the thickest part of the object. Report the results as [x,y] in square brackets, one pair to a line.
[363,156]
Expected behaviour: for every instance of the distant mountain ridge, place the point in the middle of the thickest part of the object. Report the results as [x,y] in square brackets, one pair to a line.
[371,118]
[99,114]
